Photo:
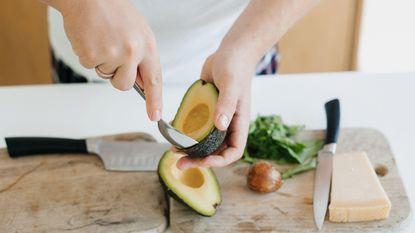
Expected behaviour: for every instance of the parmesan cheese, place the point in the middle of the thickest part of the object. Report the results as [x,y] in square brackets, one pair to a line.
[356,193]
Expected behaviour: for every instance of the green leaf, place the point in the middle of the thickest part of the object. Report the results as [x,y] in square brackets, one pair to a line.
[269,138]
[248,158]
[310,164]
[310,150]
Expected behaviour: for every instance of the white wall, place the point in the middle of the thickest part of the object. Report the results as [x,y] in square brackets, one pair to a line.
[387,39]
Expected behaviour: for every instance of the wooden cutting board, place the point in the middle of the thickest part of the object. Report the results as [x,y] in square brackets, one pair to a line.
[291,208]
[73,193]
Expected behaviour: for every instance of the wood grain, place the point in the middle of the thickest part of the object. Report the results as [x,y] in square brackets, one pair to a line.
[73,193]
[291,208]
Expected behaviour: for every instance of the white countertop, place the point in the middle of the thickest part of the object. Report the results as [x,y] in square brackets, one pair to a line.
[381,101]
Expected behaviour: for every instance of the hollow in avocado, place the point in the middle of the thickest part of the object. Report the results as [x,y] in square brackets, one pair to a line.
[197,188]
[195,118]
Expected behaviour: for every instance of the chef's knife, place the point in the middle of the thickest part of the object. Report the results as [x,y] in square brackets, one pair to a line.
[322,178]
[116,155]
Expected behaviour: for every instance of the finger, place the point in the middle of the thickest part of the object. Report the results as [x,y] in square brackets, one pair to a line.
[226,106]
[238,133]
[221,148]
[174,149]
[222,159]
[227,156]
[125,76]
[150,72]
[139,79]
[177,151]
[89,58]
[107,69]
[94,53]
[187,162]
[206,73]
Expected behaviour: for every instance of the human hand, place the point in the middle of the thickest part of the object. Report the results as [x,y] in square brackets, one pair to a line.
[231,73]
[114,38]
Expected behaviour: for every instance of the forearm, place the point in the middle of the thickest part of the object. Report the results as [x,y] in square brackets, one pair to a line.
[62,5]
[261,25]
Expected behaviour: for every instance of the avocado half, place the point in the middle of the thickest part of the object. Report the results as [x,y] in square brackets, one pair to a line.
[197,188]
[195,118]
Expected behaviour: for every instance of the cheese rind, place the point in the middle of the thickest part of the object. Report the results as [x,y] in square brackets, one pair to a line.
[356,193]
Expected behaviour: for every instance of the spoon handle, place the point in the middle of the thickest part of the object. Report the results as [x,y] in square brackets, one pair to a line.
[139,90]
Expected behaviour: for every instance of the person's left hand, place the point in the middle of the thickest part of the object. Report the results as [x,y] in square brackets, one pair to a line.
[231,73]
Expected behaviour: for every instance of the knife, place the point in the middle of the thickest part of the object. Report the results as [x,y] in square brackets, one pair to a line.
[323,173]
[116,155]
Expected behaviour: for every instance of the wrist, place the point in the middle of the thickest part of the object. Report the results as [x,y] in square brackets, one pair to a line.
[238,58]
[248,52]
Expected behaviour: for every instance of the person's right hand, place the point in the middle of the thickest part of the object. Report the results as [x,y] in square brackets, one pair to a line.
[113,37]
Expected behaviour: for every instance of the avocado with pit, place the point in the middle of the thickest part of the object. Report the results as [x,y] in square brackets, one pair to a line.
[195,118]
[197,187]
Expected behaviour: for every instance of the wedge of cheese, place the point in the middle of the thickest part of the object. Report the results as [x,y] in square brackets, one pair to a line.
[356,193]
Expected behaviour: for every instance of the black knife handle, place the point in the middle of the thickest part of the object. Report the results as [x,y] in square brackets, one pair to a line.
[333,120]
[23,146]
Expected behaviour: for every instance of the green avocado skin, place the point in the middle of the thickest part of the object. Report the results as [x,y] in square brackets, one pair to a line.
[177,198]
[207,146]
[213,140]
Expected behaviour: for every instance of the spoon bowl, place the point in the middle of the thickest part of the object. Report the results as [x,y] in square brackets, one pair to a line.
[169,133]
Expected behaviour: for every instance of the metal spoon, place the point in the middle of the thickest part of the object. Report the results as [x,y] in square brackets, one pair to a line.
[169,133]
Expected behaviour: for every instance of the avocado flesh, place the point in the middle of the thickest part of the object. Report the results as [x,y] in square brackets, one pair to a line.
[195,118]
[197,188]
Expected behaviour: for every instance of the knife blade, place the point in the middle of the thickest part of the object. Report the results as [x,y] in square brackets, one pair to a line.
[322,179]
[116,155]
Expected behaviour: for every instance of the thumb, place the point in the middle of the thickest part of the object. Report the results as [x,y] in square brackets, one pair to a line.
[225,107]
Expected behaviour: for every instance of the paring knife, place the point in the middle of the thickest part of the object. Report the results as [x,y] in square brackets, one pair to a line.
[325,163]
[116,155]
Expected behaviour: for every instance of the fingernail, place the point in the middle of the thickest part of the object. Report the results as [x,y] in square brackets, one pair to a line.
[223,121]
[156,115]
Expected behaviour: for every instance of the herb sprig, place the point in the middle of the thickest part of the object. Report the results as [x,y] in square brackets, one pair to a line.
[269,138]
